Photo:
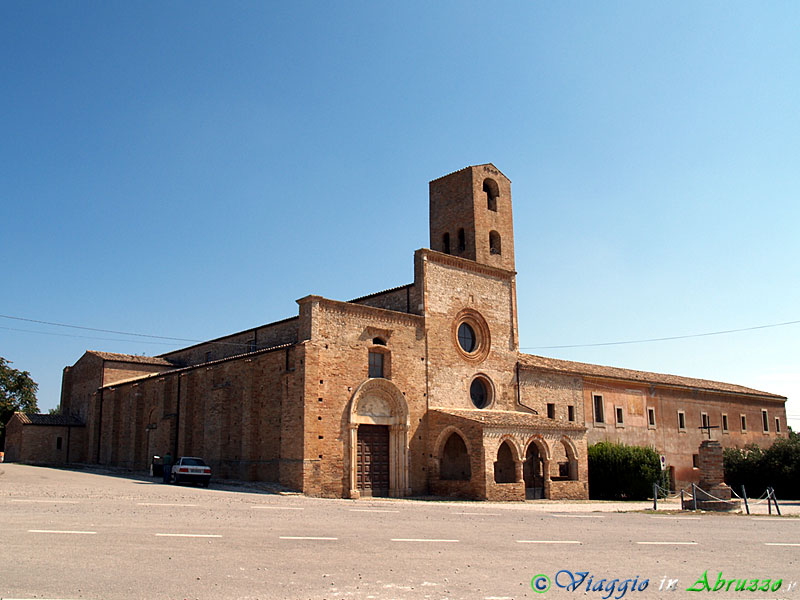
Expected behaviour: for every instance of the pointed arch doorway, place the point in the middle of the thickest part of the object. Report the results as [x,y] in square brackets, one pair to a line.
[378,440]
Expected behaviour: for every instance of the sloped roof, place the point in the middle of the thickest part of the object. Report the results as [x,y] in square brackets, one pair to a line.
[45,419]
[589,370]
[131,358]
[506,418]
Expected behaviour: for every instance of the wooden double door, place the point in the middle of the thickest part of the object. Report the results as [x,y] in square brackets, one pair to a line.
[372,460]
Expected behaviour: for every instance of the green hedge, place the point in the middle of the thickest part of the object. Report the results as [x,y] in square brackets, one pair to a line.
[778,466]
[620,472]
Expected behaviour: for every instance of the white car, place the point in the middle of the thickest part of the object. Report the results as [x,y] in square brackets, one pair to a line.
[191,469]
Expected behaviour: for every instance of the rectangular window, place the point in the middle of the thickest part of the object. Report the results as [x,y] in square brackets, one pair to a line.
[651,417]
[598,408]
[696,461]
[208,356]
[58,443]
[251,346]
[551,410]
[777,424]
[744,422]
[571,413]
[375,364]
[765,420]
[724,423]
[619,416]
[681,421]
[704,422]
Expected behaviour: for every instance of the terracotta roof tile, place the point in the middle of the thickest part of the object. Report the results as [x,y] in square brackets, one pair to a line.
[505,418]
[46,419]
[131,358]
[578,368]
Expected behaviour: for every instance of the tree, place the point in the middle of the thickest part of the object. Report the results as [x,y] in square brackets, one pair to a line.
[620,472]
[17,393]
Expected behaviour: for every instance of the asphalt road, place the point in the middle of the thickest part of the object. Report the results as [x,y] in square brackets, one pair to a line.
[78,534]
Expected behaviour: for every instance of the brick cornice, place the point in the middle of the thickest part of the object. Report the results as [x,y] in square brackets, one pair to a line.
[466,264]
[370,312]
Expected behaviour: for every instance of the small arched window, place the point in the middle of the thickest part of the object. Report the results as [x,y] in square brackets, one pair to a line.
[494,243]
[446,243]
[379,341]
[492,192]
[462,240]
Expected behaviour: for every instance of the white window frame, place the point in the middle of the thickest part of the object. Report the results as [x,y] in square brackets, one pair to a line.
[743,422]
[651,410]
[619,416]
[682,417]
[765,420]
[724,423]
[601,422]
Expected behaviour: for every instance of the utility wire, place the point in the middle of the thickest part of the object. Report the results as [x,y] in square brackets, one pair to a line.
[160,337]
[141,335]
[662,339]
[86,337]
[619,343]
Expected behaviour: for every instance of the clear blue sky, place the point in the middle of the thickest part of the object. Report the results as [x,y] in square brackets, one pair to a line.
[190,169]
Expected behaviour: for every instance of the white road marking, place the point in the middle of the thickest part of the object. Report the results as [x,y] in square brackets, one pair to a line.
[498,598]
[373,510]
[307,537]
[774,519]
[162,504]
[277,507]
[780,544]
[62,531]
[678,518]
[580,516]
[482,514]
[667,543]
[548,542]
[49,501]
[422,540]
[189,535]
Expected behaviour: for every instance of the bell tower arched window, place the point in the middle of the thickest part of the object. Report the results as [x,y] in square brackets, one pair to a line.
[494,243]
[492,191]
[446,243]
[462,240]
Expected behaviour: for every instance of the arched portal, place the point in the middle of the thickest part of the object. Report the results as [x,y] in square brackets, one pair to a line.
[533,471]
[378,440]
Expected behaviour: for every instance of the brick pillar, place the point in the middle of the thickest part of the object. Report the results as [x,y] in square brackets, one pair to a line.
[712,473]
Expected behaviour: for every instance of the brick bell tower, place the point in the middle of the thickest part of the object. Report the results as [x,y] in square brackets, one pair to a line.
[470,216]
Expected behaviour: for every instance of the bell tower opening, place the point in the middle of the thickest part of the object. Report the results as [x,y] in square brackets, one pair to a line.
[470,216]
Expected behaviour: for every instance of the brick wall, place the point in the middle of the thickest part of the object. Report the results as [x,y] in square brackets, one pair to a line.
[678,445]
[229,412]
[337,354]
[397,299]
[452,285]
[265,336]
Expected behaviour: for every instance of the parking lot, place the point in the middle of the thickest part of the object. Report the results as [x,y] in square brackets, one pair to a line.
[89,534]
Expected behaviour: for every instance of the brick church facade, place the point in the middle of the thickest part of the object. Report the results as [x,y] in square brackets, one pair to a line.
[416,390]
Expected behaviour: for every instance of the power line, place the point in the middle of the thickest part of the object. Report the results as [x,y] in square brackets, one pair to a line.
[662,339]
[193,341]
[160,337]
[112,331]
[86,337]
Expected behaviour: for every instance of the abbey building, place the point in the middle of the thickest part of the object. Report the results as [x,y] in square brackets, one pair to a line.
[416,390]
